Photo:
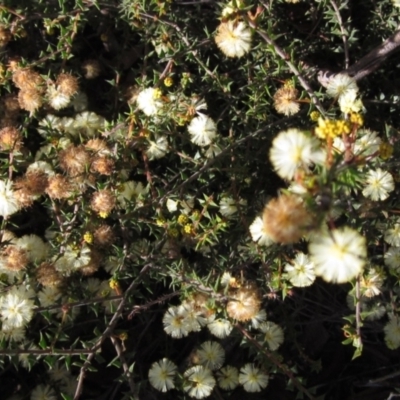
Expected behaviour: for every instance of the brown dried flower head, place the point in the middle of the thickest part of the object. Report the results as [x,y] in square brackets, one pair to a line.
[47,275]
[93,265]
[286,219]
[10,139]
[5,36]
[103,165]
[24,197]
[103,202]
[11,106]
[30,100]
[285,100]
[245,302]
[34,182]
[26,78]
[74,160]
[67,84]
[104,236]
[91,69]
[98,146]
[13,258]
[59,187]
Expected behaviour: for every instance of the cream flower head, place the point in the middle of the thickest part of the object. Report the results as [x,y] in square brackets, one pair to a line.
[233,38]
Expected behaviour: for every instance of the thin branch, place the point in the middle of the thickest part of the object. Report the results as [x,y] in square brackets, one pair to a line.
[344,34]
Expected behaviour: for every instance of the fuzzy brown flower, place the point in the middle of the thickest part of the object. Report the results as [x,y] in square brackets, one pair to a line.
[47,275]
[103,202]
[244,303]
[285,101]
[67,84]
[59,187]
[74,160]
[10,139]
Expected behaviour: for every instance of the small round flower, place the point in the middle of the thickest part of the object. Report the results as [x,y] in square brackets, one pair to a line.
[350,103]
[59,187]
[35,248]
[372,282]
[228,206]
[158,147]
[202,130]
[258,319]
[199,382]
[392,258]
[392,235]
[392,333]
[233,38]
[43,392]
[174,322]
[103,201]
[12,333]
[252,378]
[67,84]
[162,374]
[228,378]
[130,190]
[338,255]
[341,85]
[149,101]
[285,101]
[8,202]
[211,355]
[286,219]
[273,334]
[30,100]
[221,328]
[368,142]
[91,69]
[16,310]
[292,151]
[259,234]
[56,99]
[244,303]
[378,185]
[10,139]
[396,3]
[301,271]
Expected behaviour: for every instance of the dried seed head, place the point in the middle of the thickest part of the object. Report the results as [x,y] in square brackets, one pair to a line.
[30,100]
[10,139]
[47,275]
[34,182]
[11,106]
[102,165]
[286,219]
[103,202]
[5,36]
[67,84]
[98,146]
[59,187]
[285,101]
[26,78]
[91,69]
[104,236]
[13,258]
[93,265]
[245,302]
[24,197]
[74,160]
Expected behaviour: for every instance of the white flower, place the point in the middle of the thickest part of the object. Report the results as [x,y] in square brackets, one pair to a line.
[392,258]
[129,190]
[56,99]
[226,279]
[367,143]
[349,103]
[35,248]
[202,130]
[293,150]
[252,378]
[73,259]
[258,234]
[392,235]
[174,322]
[162,374]
[158,147]
[228,206]
[49,123]
[12,333]
[392,333]
[341,85]
[149,101]
[79,102]
[172,205]
[338,255]
[15,310]
[221,328]
[258,319]
[372,283]
[211,355]
[396,3]
[379,184]
[233,38]
[8,203]
[212,151]
[199,382]
[88,123]
[48,296]
[228,378]
[43,392]
[42,166]
[301,271]
[193,318]
[273,334]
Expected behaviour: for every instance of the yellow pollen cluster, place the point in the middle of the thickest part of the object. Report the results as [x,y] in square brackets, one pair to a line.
[157,94]
[88,237]
[332,128]
[314,116]
[173,232]
[183,219]
[385,150]
[168,82]
[113,284]
[357,119]
[160,221]
[188,228]
[103,214]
